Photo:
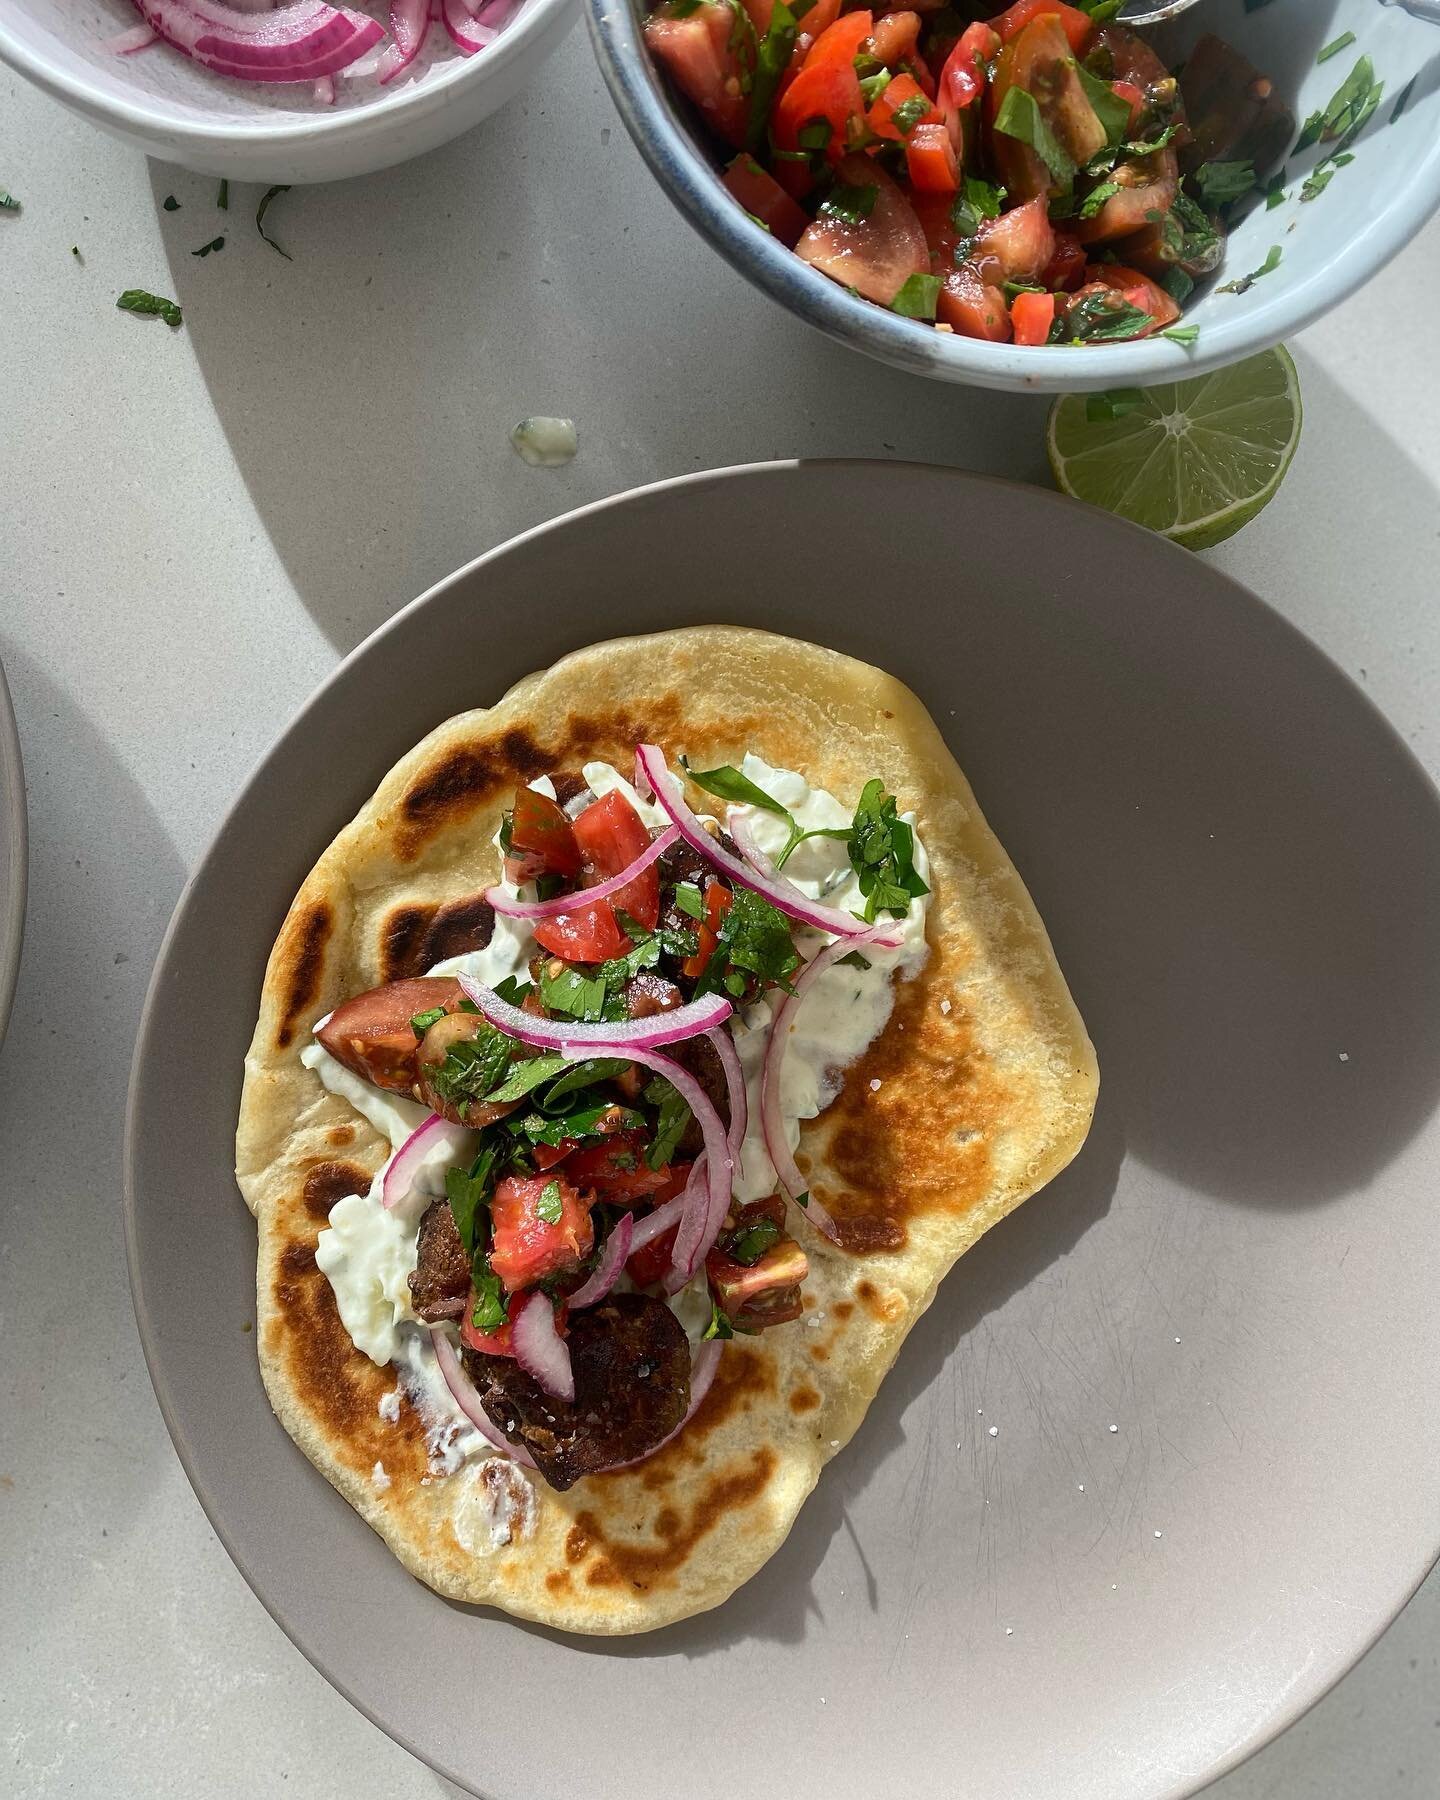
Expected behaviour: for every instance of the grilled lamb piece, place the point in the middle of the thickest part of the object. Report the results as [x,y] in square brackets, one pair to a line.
[440,1279]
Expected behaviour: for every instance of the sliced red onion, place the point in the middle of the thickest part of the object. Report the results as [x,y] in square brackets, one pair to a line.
[325,91]
[466,33]
[504,902]
[704,1361]
[138,37]
[776,889]
[607,1271]
[624,1037]
[663,1219]
[431,1134]
[301,41]
[735,1086]
[885,937]
[539,1348]
[463,1393]
[409,28]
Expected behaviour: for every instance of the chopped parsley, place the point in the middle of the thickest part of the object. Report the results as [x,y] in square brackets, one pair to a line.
[549,1207]
[1222,183]
[525,1077]
[675,1115]
[1097,197]
[882,852]
[753,940]
[849,204]
[1020,117]
[270,195]
[1112,112]
[222,199]
[722,1325]
[815,135]
[1350,109]
[217,243]
[1323,174]
[170,203]
[472,1067]
[908,114]
[136,300]
[576,995]
[977,201]
[918,298]
[688,900]
[1333,49]
[751,1242]
[1181,334]
[469,1191]
[489,1313]
[421,1022]
[772,58]
[1105,318]
[1402,99]
[1244,284]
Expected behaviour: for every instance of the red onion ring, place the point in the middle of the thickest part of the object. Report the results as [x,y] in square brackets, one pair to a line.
[607,1271]
[735,1085]
[409,28]
[504,902]
[404,1165]
[887,937]
[657,1223]
[781,893]
[539,1348]
[138,37]
[463,1393]
[625,1037]
[467,34]
[300,41]
[704,1361]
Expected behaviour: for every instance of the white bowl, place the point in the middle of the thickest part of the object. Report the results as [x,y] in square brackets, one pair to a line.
[1331,245]
[168,106]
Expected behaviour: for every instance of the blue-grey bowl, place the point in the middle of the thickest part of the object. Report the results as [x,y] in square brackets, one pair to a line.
[1330,246]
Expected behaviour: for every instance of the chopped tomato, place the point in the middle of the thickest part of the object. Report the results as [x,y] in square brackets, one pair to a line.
[698,54]
[1133,98]
[611,834]
[590,934]
[616,1169]
[539,827]
[877,254]
[764,199]
[1040,61]
[840,43]
[1017,245]
[548,1155]
[1077,25]
[718,901]
[650,1261]
[904,91]
[930,160]
[936,213]
[895,38]
[962,80]
[491,1343]
[1066,267]
[526,1247]
[827,95]
[1138,289]
[1032,315]
[1147,187]
[372,1035]
[973,307]
[821,16]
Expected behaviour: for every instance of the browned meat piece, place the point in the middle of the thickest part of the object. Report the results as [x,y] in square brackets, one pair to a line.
[371,1034]
[1235,113]
[632,1388]
[647,994]
[440,1279]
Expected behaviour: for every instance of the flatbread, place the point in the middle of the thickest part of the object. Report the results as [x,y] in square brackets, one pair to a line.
[980,1102]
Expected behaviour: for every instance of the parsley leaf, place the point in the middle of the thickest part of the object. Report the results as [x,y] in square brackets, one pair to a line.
[849,204]
[205,249]
[468,1191]
[222,199]
[754,939]
[670,1127]
[977,201]
[751,1243]
[1246,282]
[575,995]
[527,1076]
[688,901]
[578,1076]
[1181,334]
[136,300]
[549,1207]
[489,1313]
[1112,112]
[1020,117]
[1105,318]
[727,783]
[772,57]
[918,298]
[908,114]
[170,203]
[1117,403]
[882,853]
[1221,183]
[421,1022]
[473,1067]
[1097,197]
[511,989]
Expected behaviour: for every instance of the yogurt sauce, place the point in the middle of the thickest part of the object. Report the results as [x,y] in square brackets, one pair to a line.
[367,1252]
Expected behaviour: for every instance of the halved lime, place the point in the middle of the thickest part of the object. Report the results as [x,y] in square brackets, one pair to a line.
[1193,460]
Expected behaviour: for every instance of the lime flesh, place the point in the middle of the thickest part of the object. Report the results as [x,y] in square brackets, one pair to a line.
[1193,460]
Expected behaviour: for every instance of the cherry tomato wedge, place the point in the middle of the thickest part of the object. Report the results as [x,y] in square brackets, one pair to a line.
[1078,26]
[527,1246]
[539,826]
[1032,315]
[764,199]
[930,159]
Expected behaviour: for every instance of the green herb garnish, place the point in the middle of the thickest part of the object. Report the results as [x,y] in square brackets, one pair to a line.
[206,249]
[882,853]
[1246,282]
[675,1115]
[469,1191]
[1112,112]
[1181,334]
[136,300]
[1221,183]
[489,1313]
[222,199]
[918,298]
[170,203]
[750,1244]
[1097,197]
[472,1067]
[688,901]
[270,195]
[421,1022]
[772,58]
[849,204]
[1333,49]
[1117,403]
[908,114]
[549,1207]
[575,995]
[1020,117]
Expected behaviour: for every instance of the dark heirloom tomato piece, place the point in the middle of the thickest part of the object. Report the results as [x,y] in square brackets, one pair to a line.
[698,53]
[973,307]
[764,199]
[1015,247]
[1078,27]
[1147,192]
[1234,112]
[631,1362]
[542,1227]
[539,826]
[877,254]
[371,1033]
[756,1268]
[1142,293]
[439,1040]
[1040,61]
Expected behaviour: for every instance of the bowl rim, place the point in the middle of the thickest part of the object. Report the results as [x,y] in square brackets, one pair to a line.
[418,101]
[679,165]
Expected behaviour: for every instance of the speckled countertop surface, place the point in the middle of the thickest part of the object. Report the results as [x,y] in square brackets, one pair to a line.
[197,524]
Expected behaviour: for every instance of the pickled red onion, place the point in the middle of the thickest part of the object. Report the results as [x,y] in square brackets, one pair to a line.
[404,1165]
[607,1271]
[300,41]
[539,1348]
[623,1037]
[463,1393]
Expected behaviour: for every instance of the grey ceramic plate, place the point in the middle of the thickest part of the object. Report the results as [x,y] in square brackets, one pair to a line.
[1208,1354]
[12,854]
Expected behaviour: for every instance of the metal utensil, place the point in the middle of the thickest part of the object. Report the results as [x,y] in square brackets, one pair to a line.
[1429,10]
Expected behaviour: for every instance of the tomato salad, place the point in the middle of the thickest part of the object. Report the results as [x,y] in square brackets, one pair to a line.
[1038,177]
